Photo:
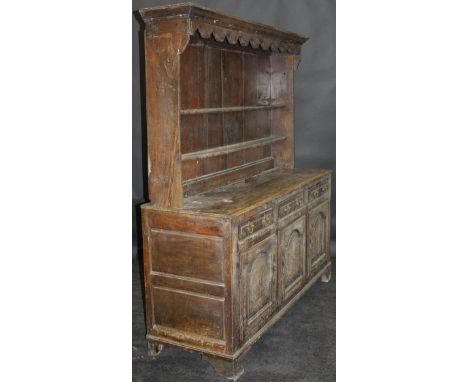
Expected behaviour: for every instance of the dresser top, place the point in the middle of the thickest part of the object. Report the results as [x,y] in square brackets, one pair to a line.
[239,197]
[224,27]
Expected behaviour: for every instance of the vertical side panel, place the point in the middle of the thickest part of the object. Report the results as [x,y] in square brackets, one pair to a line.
[162,47]
[147,273]
[231,290]
[188,278]
[282,119]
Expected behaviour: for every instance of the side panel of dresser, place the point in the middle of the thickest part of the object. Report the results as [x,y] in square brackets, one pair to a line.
[187,279]
[164,41]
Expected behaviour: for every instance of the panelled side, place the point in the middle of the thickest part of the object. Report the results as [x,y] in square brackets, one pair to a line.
[187,273]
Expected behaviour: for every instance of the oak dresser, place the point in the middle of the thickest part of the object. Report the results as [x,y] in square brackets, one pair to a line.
[233,235]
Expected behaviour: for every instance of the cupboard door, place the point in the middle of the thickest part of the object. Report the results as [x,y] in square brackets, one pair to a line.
[258,285]
[292,258]
[318,238]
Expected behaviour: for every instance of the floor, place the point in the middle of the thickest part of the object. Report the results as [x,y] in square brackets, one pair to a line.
[300,347]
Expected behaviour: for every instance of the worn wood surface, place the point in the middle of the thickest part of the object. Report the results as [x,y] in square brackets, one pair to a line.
[162,91]
[237,197]
[233,234]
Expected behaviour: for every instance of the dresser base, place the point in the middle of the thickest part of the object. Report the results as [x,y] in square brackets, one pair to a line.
[230,366]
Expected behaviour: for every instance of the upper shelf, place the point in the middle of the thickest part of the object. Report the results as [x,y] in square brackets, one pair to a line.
[223,27]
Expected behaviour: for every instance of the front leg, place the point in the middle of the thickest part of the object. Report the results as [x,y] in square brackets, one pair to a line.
[154,348]
[228,368]
[326,276]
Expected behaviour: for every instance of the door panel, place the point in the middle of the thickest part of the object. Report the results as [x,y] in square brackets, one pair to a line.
[258,285]
[318,237]
[292,258]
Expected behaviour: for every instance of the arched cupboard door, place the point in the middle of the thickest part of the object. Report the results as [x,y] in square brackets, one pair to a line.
[292,258]
[257,286]
[318,237]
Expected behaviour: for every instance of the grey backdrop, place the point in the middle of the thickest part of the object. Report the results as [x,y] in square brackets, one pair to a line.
[314,84]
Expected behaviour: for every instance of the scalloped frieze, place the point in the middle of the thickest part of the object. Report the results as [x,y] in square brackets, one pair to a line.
[235,37]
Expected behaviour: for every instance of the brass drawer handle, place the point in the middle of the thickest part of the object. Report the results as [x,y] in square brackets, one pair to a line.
[266,220]
[250,228]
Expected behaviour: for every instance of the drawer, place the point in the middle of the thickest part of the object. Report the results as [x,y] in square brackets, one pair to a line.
[318,190]
[255,223]
[290,205]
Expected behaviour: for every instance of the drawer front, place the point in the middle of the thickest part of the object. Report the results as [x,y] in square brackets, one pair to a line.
[255,223]
[290,205]
[318,190]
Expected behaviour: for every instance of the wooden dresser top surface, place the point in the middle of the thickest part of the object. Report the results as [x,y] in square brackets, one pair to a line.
[241,196]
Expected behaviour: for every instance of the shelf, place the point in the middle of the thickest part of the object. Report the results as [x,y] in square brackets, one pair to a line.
[230,109]
[233,174]
[221,150]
